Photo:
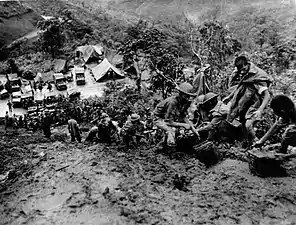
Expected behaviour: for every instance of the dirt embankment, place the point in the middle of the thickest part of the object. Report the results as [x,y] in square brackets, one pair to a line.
[16,21]
[71,183]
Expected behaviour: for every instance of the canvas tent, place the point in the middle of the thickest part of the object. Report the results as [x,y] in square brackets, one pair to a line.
[113,57]
[89,52]
[60,66]
[38,78]
[105,71]
[44,77]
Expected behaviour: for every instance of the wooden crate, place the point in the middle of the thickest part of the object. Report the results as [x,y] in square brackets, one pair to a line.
[266,164]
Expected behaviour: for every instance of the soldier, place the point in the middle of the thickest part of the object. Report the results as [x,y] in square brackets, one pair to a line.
[74,130]
[9,104]
[14,122]
[212,115]
[172,113]
[46,123]
[250,96]
[132,131]
[40,86]
[107,129]
[92,135]
[6,120]
[284,108]
[25,121]
[20,122]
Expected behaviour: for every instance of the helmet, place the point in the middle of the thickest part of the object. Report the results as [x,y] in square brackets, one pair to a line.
[186,88]
[209,96]
[200,99]
[208,103]
[134,117]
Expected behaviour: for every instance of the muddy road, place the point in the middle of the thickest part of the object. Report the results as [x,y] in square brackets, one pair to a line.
[69,183]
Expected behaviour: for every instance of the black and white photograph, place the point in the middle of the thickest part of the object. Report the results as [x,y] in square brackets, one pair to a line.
[153,112]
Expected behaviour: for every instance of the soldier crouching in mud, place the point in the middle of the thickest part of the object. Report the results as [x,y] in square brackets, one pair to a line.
[284,108]
[107,129]
[132,131]
[92,135]
[74,130]
[171,114]
[210,113]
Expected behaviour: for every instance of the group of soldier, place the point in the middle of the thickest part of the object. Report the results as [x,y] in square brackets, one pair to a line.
[206,116]
[210,118]
[233,117]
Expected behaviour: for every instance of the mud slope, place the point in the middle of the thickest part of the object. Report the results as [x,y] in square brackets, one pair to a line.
[15,21]
[98,184]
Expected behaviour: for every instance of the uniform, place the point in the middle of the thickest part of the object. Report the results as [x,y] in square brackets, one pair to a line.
[170,109]
[74,130]
[248,98]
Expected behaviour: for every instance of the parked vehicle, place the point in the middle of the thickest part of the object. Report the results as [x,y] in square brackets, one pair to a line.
[32,110]
[79,75]
[50,100]
[27,100]
[17,99]
[60,81]
[14,81]
[4,94]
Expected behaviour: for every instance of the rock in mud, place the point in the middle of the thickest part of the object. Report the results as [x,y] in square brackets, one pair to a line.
[159,178]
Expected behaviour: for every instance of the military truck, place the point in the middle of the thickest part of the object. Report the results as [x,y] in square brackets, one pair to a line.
[79,75]
[17,99]
[14,81]
[60,81]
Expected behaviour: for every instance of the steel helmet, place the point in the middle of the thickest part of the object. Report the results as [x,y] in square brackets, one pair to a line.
[200,99]
[186,88]
[209,96]
[134,117]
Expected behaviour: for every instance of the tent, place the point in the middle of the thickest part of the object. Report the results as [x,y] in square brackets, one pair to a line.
[44,77]
[105,70]
[38,78]
[113,57]
[60,66]
[89,52]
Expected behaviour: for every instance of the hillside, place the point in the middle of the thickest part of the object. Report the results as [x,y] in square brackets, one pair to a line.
[15,21]
[239,15]
[196,10]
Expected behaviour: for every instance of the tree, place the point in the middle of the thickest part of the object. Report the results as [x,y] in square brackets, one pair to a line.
[12,67]
[51,38]
[148,48]
[213,44]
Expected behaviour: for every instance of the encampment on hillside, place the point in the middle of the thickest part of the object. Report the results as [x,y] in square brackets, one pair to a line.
[90,52]
[105,71]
